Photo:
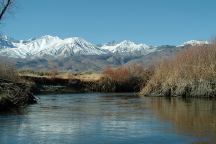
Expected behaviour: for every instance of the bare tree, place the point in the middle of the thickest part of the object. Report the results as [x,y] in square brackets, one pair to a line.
[4,6]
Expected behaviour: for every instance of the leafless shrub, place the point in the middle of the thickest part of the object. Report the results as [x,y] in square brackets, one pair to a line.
[8,71]
[188,70]
[124,78]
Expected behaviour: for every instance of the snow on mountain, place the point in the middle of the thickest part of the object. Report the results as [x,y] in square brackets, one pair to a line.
[51,46]
[71,46]
[194,43]
[55,47]
[128,47]
[6,42]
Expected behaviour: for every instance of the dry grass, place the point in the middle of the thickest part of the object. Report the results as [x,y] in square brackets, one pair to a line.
[89,77]
[61,75]
[14,92]
[8,72]
[191,72]
[124,79]
[37,73]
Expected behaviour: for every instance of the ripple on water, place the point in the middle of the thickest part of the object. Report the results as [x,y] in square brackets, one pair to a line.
[110,118]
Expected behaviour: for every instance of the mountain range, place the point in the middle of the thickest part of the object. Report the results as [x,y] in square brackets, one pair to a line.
[77,54]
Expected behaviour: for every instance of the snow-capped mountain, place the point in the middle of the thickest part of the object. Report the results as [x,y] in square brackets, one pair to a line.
[49,46]
[194,43]
[69,47]
[52,46]
[6,42]
[77,54]
[129,48]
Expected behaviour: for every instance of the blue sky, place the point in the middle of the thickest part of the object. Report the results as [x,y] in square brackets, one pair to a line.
[148,21]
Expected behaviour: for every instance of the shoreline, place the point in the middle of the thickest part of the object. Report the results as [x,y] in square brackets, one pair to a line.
[34,85]
[14,95]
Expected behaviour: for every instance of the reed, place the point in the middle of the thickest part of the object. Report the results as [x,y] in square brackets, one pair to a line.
[124,79]
[191,73]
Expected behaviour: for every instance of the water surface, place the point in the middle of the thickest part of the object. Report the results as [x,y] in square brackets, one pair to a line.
[110,118]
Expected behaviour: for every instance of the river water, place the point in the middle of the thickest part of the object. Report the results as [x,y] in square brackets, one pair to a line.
[110,118]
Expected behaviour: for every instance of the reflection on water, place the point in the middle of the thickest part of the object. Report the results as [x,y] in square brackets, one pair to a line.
[196,117]
[110,118]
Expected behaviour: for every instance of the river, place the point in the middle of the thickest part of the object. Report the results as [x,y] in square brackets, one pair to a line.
[99,118]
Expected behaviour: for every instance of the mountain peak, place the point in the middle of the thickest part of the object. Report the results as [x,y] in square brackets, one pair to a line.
[127,47]
[3,37]
[50,46]
[195,42]
[75,39]
[54,46]
[6,42]
[6,38]
[127,42]
[49,37]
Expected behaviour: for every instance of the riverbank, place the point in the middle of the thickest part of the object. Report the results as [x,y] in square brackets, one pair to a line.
[191,73]
[19,91]
[14,91]
[14,95]
[122,79]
